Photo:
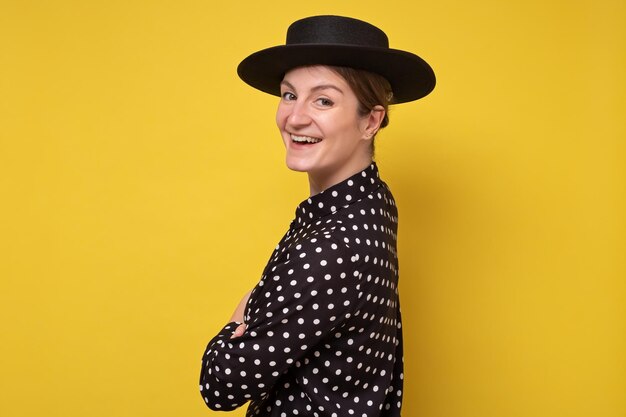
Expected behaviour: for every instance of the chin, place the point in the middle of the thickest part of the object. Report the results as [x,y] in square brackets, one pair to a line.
[297,166]
[300,163]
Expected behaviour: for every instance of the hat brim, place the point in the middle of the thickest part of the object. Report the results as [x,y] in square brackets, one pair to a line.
[411,78]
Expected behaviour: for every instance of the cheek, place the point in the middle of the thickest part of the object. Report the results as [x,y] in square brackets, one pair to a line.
[344,128]
[281,116]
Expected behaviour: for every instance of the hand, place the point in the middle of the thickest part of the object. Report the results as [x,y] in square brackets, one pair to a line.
[238,315]
[239,330]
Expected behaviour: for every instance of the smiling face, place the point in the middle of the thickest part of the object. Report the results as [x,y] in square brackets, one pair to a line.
[321,128]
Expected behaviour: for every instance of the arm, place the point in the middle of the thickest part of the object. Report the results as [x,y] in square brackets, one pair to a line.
[303,301]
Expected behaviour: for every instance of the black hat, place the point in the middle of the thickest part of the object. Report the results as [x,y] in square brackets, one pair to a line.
[339,41]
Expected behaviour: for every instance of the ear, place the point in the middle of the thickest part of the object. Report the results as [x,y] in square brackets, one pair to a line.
[372,121]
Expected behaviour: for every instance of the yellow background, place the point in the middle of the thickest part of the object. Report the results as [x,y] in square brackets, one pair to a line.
[143,188]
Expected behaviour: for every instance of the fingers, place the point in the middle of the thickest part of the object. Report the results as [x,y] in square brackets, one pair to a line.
[239,330]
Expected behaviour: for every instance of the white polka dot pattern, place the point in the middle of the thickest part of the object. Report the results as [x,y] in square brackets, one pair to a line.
[324,331]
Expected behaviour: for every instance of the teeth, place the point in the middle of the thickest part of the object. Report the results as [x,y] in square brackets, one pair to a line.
[305,139]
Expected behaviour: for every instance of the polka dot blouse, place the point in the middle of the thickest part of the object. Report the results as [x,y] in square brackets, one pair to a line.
[323,334]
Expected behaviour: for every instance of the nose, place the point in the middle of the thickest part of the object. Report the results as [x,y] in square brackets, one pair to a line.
[298,116]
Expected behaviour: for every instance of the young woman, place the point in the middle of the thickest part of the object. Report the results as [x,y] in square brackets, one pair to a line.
[320,334]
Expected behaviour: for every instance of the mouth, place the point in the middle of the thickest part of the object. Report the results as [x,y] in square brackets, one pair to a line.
[306,140]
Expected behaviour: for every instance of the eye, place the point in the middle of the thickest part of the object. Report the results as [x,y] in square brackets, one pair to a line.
[324,102]
[288,96]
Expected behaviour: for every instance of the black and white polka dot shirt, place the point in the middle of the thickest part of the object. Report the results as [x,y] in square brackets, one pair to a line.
[323,333]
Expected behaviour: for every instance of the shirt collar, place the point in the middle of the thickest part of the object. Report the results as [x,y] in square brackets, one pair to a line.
[339,196]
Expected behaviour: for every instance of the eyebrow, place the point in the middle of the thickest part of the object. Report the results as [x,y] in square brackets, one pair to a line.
[316,88]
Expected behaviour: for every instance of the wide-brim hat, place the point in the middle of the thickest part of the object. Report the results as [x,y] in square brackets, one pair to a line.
[339,41]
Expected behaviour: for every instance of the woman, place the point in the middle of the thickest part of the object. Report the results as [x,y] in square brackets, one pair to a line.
[320,334]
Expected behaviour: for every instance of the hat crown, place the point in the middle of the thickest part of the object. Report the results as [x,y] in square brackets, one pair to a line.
[336,30]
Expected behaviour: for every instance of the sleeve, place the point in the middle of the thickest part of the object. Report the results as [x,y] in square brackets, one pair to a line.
[297,304]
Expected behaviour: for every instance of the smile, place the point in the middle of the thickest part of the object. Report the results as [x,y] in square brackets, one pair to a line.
[305,139]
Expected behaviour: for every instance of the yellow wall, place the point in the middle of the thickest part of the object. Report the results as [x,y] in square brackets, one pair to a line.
[143,188]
